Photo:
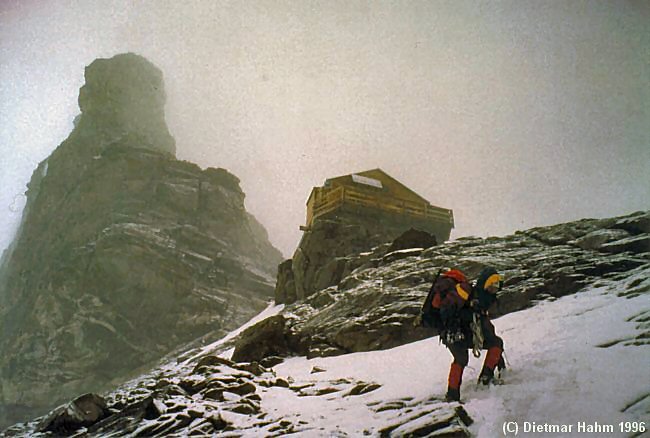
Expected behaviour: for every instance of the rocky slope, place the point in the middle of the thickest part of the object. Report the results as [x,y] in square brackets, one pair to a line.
[202,392]
[329,250]
[374,305]
[124,253]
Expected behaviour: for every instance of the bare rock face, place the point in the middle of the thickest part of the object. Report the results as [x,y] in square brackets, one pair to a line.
[124,253]
[83,411]
[331,249]
[317,261]
[413,238]
[285,285]
[125,95]
[267,339]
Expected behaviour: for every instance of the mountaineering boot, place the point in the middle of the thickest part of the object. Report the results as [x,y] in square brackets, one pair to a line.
[502,363]
[486,376]
[499,372]
[453,395]
[492,360]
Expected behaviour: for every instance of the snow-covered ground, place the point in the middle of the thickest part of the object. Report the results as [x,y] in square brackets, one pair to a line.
[578,366]
[569,365]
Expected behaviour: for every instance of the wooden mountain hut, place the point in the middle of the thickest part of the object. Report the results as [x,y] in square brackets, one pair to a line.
[375,196]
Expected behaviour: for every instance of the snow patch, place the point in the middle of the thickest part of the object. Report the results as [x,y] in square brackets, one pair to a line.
[558,373]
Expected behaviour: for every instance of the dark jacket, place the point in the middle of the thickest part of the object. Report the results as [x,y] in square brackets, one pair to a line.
[484,298]
[479,302]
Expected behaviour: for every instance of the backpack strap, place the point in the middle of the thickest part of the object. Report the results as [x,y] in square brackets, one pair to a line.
[427,302]
[427,318]
[462,292]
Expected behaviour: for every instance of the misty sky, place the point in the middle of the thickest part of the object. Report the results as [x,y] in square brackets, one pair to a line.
[513,114]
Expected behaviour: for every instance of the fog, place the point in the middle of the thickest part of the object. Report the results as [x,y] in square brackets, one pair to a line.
[513,114]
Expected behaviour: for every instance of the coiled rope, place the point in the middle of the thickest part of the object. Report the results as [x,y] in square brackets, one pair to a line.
[477,335]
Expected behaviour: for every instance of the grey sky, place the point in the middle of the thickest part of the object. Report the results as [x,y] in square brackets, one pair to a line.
[513,114]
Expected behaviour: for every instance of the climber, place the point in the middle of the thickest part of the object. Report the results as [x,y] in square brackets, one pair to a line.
[473,323]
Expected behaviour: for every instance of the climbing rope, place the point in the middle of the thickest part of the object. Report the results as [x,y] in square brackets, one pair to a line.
[477,335]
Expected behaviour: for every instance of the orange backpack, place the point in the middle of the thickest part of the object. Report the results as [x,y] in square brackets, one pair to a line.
[449,291]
